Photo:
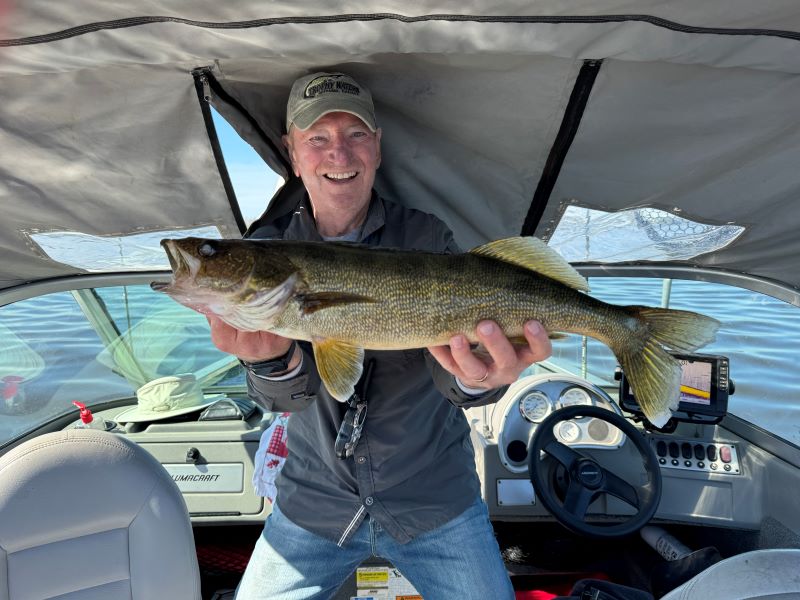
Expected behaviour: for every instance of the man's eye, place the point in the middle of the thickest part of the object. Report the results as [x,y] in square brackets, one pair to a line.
[317,139]
[359,133]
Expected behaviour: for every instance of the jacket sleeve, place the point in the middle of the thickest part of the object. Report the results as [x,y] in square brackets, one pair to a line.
[288,395]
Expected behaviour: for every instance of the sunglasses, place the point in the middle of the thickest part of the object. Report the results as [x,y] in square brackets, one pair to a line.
[353,422]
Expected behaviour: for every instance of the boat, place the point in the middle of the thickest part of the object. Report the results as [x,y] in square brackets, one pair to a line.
[654,145]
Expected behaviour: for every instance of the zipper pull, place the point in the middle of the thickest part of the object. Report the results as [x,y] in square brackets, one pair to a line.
[206,88]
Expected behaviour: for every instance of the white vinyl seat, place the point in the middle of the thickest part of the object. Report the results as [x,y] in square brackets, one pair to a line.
[89,515]
[759,575]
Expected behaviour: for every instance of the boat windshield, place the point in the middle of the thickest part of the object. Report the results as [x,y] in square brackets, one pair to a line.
[99,345]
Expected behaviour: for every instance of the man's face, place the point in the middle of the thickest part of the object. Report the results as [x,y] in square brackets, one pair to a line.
[336,158]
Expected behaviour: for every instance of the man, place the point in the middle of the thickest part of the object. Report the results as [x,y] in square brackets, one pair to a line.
[409,492]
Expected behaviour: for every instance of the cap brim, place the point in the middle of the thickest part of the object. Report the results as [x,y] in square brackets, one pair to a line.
[305,119]
[135,414]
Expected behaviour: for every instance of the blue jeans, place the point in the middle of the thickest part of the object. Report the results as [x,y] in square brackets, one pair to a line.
[459,560]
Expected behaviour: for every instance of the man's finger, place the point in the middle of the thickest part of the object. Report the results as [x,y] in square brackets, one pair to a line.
[472,367]
[500,349]
[444,357]
[538,341]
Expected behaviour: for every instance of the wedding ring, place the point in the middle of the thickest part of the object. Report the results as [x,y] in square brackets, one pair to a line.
[482,379]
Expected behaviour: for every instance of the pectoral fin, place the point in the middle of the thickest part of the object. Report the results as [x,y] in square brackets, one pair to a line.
[339,365]
[258,313]
[311,303]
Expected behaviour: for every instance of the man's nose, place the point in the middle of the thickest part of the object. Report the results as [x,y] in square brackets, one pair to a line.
[340,151]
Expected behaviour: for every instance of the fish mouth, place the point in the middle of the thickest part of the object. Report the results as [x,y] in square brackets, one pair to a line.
[183,264]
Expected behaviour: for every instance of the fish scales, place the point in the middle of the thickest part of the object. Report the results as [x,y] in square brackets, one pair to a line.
[430,298]
[345,298]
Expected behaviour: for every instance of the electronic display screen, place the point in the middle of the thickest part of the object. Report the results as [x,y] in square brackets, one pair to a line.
[703,392]
[695,382]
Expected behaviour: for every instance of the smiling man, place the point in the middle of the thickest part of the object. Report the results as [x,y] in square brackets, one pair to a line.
[403,485]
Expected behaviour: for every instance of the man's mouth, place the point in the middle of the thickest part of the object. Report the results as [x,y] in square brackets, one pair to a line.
[346,176]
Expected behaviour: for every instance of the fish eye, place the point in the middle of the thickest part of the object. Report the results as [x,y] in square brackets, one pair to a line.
[206,249]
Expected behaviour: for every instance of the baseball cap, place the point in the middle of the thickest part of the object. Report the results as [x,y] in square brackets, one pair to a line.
[318,94]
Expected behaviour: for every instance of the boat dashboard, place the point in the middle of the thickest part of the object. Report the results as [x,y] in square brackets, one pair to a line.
[710,475]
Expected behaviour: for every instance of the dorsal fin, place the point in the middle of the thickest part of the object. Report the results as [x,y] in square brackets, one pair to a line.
[533,254]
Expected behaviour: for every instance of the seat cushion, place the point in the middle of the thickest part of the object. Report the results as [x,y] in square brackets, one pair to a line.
[759,575]
[89,514]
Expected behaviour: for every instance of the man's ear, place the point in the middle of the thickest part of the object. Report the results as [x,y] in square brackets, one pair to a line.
[378,133]
[287,143]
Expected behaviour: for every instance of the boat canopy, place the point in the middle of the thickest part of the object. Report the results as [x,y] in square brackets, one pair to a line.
[500,117]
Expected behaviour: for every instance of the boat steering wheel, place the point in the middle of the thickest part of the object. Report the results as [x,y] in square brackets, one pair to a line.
[587,479]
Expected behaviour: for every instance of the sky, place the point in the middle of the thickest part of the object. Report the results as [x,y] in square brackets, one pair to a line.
[253,181]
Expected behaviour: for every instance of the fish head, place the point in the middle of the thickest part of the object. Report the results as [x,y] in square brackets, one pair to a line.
[218,277]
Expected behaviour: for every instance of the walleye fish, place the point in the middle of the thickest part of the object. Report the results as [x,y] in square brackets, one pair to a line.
[345,298]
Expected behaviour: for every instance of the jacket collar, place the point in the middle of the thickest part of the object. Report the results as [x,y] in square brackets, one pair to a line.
[303,227]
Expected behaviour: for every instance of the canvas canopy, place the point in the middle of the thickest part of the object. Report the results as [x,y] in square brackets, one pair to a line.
[497,116]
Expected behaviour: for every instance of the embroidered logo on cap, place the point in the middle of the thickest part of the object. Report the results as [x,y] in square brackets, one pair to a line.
[330,84]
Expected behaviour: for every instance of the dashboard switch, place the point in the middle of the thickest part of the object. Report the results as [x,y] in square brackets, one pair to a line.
[711,452]
[725,454]
[661,448]
[686,450]
[673,449]
[699,452]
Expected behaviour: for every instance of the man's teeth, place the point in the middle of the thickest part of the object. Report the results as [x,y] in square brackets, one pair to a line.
[349,175]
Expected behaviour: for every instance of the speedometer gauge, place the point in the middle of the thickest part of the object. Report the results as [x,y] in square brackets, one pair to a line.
[575,396]
[534,406]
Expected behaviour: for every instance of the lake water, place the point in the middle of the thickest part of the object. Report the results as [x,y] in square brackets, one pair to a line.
[758,334]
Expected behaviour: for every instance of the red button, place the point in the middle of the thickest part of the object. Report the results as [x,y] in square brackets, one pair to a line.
[725,454]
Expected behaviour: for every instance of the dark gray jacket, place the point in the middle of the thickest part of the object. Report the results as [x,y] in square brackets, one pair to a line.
[414,466]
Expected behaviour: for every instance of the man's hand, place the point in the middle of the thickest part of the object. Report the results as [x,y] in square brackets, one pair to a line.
[250,346]
[504,363]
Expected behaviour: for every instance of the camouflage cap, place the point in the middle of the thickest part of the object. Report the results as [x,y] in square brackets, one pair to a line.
[318,94]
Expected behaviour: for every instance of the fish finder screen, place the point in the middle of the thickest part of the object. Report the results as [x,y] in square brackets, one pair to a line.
[705,386]
[695,382]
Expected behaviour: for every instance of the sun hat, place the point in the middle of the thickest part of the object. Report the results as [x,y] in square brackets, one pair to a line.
[318,94]
[167,397]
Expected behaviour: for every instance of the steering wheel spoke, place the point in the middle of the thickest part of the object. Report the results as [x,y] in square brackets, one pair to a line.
[620,488]
[562,453]
[578,499]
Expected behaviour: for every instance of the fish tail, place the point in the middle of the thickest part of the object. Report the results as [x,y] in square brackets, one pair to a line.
[654,374]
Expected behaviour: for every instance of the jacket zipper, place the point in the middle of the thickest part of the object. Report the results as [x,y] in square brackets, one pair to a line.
[203,88]
[561,145]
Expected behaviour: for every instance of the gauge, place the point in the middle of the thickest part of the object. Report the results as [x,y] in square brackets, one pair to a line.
[575,396]
[534,406]
[568,431]
[598,430]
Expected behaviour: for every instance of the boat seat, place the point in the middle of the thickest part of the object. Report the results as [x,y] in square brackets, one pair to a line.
[89,515]
[759,575]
